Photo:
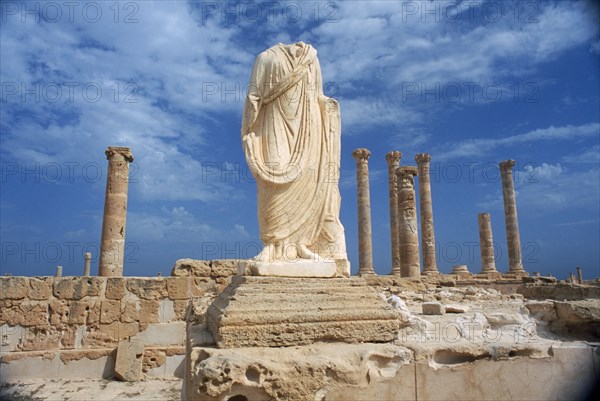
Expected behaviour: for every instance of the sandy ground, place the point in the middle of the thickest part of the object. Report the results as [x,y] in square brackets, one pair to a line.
[90,389]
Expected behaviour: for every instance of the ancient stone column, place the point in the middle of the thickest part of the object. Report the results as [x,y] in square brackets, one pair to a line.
[510,216]
[393,161]
[365,245]
[486,243]
[427,231]
[87,265]
[112,246]
[571,278]
[407,222]
[58,272]
[579,275]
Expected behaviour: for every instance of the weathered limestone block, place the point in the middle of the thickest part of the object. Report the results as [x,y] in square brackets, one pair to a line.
[59,312]
[153,358]
[299,373]
[148,288]
[130,311]
[180,308]
[191,267]
[433,308]
[35,313]
[558,291]
[93,317]
[456,308]
[12,316]
[504,319]
[148,311]
[203,285]
[179,287]
[579,311]
[40,289]
[110,311]
[13,287]
[38,339]
[109,335]
[115,288]
[92,354]
[224,267]
[273,311]
[79,311]
[77,287]
[128,366]
[542,310]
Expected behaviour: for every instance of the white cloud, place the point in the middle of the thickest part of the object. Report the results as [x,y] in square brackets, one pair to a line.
[177,225]
[479,146]
[180,63]
[586,155]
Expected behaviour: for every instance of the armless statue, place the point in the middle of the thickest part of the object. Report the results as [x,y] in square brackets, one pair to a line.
[291,139]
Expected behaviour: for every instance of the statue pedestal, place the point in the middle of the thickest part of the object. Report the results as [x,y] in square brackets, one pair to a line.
[283,311]
[328,268]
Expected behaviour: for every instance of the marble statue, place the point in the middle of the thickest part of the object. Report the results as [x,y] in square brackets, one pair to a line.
[291,139]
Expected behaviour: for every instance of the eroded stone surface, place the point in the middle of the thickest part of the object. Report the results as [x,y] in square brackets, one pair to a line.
[298,373]
[128,366]
[270,311]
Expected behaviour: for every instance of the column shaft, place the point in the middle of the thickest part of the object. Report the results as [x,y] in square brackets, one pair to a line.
[486,243]
[393,161]
[87,264]
[510,215]
[407,222]
[365,245]
[112,246]
[427,230]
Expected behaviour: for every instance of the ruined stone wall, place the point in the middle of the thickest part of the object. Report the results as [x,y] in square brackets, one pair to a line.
[65,325]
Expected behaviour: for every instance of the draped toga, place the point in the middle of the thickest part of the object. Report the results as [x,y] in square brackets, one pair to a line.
[291,139]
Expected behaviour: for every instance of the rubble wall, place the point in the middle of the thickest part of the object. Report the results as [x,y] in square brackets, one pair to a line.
[71,326]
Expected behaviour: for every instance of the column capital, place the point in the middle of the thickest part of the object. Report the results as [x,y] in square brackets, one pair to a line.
[361,154]
[406,170]
[393,157]
[112,151]
[422,158]
[507,165]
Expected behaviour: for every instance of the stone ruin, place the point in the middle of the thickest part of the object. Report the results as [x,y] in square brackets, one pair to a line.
[292,324]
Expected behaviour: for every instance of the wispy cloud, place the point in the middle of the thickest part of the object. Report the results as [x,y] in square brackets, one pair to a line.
[480,146]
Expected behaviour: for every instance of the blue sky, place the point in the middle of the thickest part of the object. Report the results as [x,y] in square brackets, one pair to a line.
[472,83]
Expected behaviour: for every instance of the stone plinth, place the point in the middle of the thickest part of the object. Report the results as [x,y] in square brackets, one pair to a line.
[112,246]
[275,312]
[296,268]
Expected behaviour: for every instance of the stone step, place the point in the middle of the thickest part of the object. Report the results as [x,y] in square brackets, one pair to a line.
[301,301]
[275,311]
[288,334]
[243,318]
